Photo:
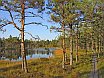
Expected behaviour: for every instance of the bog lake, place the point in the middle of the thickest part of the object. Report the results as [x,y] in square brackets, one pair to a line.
[12,55]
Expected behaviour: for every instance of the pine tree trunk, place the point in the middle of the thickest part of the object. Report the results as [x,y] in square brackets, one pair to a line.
[86,45]
[71,47]
[64,51]
[24,62]
[92,43]
[77,45]
[96,46]
[99,44]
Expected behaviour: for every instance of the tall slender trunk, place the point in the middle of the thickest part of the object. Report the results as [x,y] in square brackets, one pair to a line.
[96,45]
[86,45]
[99,48]
[64,50]
[103,43]
[23,53]
[77,45]
[92,43]
[71,46]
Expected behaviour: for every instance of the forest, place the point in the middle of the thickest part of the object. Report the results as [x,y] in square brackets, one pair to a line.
[77,52]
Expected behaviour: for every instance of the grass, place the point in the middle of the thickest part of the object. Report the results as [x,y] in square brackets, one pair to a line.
[50,68]
[101,67]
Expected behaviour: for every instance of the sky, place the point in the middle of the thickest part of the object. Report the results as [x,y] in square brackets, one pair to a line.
[39,30]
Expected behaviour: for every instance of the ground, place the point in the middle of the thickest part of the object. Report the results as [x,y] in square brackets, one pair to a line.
[51,68]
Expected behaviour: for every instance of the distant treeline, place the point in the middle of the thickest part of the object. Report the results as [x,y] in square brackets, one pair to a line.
[14,43]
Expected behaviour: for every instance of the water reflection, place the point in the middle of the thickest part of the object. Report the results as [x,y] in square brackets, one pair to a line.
[15,55]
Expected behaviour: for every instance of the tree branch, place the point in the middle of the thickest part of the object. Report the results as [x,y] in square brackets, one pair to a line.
[2,25]
[2,30]
[34,15]
[33,36]
[30,16]
[37,24]
[13,21]
[3,9]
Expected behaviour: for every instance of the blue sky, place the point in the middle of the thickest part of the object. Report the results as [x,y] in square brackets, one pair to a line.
[41,31]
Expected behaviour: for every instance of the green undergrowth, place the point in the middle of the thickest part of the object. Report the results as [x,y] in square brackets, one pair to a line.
[101,67]
[49,68]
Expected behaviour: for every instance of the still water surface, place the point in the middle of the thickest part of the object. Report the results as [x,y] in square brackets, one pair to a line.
[31,53]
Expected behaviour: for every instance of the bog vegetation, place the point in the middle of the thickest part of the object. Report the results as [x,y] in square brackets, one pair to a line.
[79,50]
